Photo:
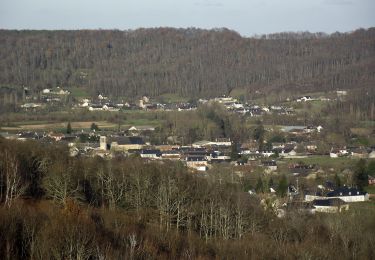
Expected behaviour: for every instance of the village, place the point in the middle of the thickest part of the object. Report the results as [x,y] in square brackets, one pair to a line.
[203,157]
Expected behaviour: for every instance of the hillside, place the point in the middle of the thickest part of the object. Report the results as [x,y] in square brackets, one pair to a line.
[186,62]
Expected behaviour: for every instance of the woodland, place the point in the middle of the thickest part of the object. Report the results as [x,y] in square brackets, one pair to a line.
[53,206]
[58,207]
[186,62]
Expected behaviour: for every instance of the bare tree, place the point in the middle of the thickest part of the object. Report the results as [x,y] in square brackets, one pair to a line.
[11,182]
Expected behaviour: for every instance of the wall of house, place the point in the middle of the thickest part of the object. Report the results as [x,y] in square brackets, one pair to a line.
[344,198]
[125,147]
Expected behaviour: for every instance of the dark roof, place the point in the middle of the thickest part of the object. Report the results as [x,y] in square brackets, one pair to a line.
[196,153]
[29,135]
[329,202]
[345,191]
[269,163]
[195,159]
[149,151]
[122,140]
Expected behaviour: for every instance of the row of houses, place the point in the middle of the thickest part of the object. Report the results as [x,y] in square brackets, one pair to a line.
[198,156]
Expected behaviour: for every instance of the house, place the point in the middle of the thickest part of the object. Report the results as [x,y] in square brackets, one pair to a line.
[311,147]
[171,155]
[95,107]
[270,165]
[267,153]
[125,143]
[345,193]
[9,136]
[332,205]
[288,153]
[359,153]
[338,152]
[301,169]
[198,163]
[31,105]
[150,154]
[218,156]
[56,136]
[304,99]
[341,93]
[141,128]
[371,180]
[103,143]
[200,144]
[222,142]
[28,136]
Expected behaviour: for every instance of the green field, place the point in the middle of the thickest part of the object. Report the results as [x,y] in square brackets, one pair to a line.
[172,98]
[370,189]
[79,92]
[326,161]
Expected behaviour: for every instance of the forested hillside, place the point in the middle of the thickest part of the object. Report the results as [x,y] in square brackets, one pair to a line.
[186,62]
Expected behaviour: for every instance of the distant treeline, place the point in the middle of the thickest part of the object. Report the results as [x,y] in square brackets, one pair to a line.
[187,62]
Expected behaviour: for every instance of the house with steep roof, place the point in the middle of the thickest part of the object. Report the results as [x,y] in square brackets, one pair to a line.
[125,143]
[150,154]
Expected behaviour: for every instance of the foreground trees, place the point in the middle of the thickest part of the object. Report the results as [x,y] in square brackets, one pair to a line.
[126,208]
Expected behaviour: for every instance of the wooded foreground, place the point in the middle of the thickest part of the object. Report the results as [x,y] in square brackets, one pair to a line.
[57,207]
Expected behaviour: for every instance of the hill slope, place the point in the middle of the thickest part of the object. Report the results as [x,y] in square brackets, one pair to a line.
[186,62]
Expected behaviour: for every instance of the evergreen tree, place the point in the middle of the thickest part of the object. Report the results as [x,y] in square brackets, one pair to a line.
[234,151]
[259,187]
[282,187]
[337,181]
[94,127]
[270,183]
[259,134]
[68,129]
[360,174]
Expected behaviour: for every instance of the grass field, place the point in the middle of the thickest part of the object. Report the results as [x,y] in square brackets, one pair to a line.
[326,161]
[32,126]
[55,126]
[79,92]
[172,98]
[370,189]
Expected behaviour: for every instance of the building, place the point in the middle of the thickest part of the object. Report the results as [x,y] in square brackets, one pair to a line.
[333,205]
[270,165]
[150,154]
[371,180]
[125,143]
[345,193]
[198,163]
[103,142]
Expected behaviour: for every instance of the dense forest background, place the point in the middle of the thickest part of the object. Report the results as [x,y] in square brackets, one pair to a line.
[186,62]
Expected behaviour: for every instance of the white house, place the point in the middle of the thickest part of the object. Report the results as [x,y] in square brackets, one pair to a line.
[333,205]
[150,154]
[345,193]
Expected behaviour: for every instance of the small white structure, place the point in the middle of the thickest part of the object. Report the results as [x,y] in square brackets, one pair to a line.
[103,143]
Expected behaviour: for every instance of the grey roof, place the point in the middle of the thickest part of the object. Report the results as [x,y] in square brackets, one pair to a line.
[345,191]
[123,140]
[329,202]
